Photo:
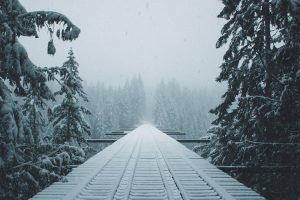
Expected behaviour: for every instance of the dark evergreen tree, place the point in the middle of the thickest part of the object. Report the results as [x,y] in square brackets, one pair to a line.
[17,68]
[23,171]
[259,115]
[68,117]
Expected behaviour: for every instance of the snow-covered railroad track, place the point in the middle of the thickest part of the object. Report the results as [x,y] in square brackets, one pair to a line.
[147,164]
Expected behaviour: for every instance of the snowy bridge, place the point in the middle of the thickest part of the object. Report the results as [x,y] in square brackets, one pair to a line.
[147,164]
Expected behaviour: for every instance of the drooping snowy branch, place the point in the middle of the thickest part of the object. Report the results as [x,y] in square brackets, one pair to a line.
[46,18]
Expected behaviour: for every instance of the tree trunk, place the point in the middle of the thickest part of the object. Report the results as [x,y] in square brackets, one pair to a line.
[267,49]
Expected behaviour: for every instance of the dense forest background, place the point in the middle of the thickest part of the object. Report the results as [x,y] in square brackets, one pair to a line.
[168,106]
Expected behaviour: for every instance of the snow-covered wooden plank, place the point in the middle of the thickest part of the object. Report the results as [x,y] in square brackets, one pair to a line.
[147,164]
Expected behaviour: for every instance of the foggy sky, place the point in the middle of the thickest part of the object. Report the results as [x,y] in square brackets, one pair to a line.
[160,39]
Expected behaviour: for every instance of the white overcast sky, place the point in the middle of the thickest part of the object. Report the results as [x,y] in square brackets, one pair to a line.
[160,39]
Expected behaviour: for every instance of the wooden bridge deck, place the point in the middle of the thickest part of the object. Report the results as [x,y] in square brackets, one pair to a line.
[147,164]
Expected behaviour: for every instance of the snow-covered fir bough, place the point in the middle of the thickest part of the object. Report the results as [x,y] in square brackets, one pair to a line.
[259,117]
[27,164]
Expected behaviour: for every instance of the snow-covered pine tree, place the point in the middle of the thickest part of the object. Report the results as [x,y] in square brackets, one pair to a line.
[20,173]
[68,118]
[16,67]
[259,109]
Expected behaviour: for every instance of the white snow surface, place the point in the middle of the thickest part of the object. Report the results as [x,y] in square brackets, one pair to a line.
[147,164]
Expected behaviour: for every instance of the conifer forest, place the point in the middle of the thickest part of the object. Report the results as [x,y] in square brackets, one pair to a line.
[221,74]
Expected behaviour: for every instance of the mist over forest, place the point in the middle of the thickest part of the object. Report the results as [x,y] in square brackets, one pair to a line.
[147,99]
[169,105]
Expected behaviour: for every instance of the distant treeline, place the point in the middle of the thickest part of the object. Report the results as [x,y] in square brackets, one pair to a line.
[181,109]
[115,108]
[174,107]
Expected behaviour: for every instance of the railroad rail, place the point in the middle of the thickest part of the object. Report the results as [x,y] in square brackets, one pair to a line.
[147,164]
